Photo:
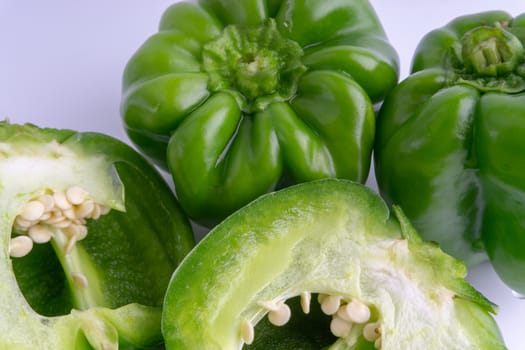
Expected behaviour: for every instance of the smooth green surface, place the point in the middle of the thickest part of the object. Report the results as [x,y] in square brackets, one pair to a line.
[128,255]
[301,79]
[449,146]
[325,236]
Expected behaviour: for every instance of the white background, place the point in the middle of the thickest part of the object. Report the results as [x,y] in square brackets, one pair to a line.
[61,64]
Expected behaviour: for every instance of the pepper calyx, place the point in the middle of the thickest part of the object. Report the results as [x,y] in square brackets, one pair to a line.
[256,64]
[489,58]
[491,51]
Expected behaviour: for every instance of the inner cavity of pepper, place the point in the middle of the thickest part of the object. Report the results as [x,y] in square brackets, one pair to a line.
[60,218]
[348,316]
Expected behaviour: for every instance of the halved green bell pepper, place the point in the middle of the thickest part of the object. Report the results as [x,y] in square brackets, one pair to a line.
[237,98]
[332,240]
[451,139]
[89,237]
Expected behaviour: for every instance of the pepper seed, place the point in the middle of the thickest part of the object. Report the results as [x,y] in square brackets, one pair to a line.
[20,246]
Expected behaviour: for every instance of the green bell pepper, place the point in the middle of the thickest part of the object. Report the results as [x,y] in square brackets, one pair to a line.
[89,237]
[237,98]
[379,286]
[451,138]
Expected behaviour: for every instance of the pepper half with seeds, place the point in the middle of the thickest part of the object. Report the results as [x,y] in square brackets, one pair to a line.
[378,283]
[90,235]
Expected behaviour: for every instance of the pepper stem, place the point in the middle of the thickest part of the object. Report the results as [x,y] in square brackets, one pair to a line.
[256,64]
[491,51]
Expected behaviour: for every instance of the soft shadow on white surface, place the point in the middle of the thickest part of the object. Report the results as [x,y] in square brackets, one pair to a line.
[61,64]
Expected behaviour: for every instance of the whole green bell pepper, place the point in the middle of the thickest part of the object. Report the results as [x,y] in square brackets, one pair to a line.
[237,98]
[451,138]
[331,252]
[89,237]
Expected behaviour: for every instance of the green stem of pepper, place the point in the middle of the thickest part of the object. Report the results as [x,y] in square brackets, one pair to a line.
[491,51]
[255,63]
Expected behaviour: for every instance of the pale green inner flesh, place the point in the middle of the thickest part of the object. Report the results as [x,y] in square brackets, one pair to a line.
[28,172]
[54,166]
[413,308]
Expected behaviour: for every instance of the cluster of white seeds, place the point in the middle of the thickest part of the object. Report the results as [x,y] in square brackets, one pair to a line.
[66,211]
[345,314]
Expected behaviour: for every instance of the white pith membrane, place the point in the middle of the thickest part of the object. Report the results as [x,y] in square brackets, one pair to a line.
[55,215]
[408,304]
[346,315]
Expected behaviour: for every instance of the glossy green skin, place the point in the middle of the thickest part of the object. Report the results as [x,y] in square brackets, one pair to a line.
[451,154]
[223,155]
[133,253]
